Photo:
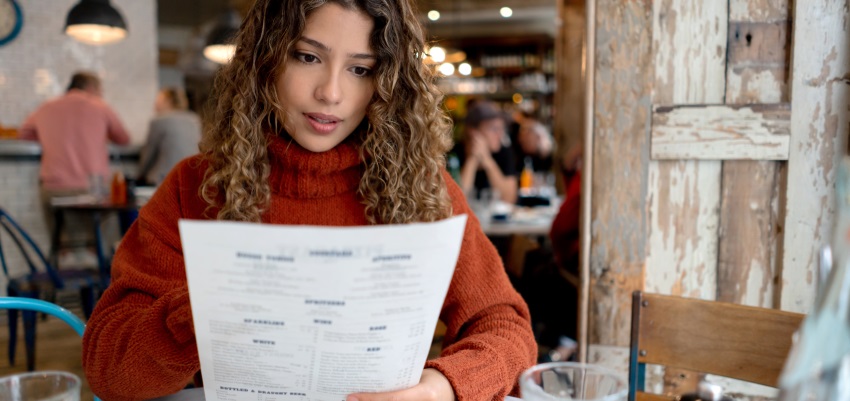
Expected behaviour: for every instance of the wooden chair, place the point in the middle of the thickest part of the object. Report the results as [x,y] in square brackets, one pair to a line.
[725,339]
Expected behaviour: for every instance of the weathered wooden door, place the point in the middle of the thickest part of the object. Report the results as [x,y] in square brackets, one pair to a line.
[714,145]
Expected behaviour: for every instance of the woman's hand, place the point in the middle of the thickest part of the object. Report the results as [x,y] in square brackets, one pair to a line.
[433,386]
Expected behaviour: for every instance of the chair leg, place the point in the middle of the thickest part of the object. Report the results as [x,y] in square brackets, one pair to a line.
[29,337]
[87,295]
[13,334]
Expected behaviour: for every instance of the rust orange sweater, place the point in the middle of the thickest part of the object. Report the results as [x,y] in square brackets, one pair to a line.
[140,343]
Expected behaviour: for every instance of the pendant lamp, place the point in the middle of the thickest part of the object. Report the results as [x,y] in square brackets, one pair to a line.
[95,22]
[219,46]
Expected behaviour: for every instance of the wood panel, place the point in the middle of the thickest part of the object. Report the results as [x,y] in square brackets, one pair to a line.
[623,86]
[757,72]
[721,132]
[689,48]
[819,128]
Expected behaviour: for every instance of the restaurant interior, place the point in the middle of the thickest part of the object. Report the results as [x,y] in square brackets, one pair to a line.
[681,225]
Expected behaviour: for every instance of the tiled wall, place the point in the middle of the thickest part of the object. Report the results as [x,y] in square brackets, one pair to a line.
[38,64]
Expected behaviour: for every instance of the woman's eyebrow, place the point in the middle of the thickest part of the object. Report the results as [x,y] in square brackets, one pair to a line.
[324,47]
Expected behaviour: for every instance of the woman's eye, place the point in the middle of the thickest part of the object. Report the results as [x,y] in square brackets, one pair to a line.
[361,71]
[306,58]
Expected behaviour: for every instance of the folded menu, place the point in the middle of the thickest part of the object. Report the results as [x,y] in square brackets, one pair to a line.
[315,313]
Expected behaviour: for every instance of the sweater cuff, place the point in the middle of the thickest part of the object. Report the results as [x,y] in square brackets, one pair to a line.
[179,320]
[473,373]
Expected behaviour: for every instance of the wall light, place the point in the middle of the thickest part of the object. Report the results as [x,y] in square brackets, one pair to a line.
[433,15]
[95,22]
[464,69]
[506,12]
[438,54]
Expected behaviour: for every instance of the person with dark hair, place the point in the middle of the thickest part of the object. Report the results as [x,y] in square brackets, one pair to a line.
[486,158]
[74,130]
[326,115]
[173,135]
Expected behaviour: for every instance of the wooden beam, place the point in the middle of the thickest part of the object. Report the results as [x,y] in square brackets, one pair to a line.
[754,132]
[622,92]
[819,128]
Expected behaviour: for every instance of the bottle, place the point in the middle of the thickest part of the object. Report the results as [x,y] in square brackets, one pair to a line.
[526,177]
[818,366]
[454,167]
[118,190]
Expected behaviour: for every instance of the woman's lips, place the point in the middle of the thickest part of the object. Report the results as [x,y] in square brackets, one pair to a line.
[322,123]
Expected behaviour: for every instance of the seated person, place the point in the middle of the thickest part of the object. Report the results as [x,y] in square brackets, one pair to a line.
[486,161]
[173,135]
[535,143]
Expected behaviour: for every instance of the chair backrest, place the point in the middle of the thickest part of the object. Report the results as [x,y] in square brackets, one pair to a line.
[27,248]
[725,339]
[38,305]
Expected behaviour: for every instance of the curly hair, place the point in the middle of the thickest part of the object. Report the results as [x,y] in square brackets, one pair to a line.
[403,142]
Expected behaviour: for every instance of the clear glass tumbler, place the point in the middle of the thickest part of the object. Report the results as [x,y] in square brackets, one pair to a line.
[558,381]
[40,386]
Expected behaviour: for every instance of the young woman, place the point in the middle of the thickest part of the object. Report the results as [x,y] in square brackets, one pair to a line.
[325,116]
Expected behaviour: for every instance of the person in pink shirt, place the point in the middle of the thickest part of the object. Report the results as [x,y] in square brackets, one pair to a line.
[74,131]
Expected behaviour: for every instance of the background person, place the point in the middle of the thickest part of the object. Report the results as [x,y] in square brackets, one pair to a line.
[173,135]
[74,131]
[487,160]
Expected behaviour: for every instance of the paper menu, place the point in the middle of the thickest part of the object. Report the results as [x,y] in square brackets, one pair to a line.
[315,313]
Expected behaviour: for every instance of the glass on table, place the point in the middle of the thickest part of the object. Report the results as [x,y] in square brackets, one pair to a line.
[560,381]
[40,386]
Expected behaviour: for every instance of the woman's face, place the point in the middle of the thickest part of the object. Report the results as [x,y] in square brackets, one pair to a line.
[327,81]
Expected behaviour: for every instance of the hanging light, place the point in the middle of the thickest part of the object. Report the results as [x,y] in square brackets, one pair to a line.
[95,22]
[220,47]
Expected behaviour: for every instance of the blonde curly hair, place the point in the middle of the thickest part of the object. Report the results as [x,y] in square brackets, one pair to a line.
[403,142]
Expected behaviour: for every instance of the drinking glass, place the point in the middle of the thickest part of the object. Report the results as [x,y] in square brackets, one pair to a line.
[558,381]
[40,386]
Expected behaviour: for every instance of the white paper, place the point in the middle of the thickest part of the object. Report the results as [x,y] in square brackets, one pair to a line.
[315,313]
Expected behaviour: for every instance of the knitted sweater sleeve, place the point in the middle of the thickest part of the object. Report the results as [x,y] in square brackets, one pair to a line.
[139,343]
[488,340]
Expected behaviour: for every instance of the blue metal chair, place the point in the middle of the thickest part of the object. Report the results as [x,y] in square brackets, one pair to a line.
[36,305]
[41,282]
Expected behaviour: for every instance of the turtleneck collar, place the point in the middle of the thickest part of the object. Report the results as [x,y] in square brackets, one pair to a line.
[299,173]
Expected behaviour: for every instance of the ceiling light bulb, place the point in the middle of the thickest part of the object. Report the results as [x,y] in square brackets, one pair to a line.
[433,15]
[506,12]
[447,69]
[464,69]
[438,54]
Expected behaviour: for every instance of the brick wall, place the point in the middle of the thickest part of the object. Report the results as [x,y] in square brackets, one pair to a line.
[38,64]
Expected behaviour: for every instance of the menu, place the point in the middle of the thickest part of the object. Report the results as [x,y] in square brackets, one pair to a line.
[315,313]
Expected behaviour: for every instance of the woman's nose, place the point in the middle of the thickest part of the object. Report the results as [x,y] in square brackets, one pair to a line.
[329,90]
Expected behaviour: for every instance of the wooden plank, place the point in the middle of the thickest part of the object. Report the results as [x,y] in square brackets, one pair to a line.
[758,10]
[759,54]
[689,42]
[689,46]
[683,204]
[623,68]
[745,269]
[744,342]
[819,129]
[758,132]
[757,68]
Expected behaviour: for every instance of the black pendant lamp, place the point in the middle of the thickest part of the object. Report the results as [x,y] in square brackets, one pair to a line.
[95,22]
[219,45]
